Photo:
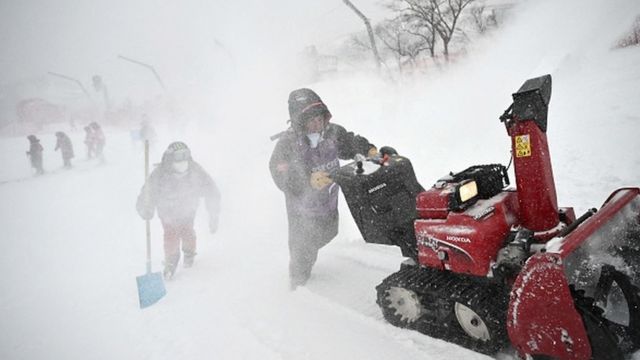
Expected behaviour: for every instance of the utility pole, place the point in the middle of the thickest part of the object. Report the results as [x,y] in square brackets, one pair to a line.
[100,86]
[367,24]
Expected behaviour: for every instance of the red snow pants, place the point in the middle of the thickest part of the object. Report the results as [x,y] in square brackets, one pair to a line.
[174,233]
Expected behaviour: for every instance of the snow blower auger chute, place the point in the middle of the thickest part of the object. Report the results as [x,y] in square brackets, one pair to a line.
[491,265]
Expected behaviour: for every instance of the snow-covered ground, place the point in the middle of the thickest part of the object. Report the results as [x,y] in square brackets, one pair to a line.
[72,243]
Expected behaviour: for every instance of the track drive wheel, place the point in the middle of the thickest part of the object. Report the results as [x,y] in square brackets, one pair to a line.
[471,322]
[400,306]
[481,316]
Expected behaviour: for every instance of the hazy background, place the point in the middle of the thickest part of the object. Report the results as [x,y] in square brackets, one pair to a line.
[73,243]
[195,45]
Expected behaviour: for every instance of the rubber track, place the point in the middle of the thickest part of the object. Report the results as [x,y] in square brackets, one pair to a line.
[485,297]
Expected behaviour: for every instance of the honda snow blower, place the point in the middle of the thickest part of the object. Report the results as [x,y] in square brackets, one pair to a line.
[490,265]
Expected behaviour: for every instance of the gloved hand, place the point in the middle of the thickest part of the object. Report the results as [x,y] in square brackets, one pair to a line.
[213,224]
[319,180]
[372,152]
[145,210]
[388,150]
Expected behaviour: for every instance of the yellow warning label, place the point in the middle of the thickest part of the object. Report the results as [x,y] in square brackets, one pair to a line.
[523,146]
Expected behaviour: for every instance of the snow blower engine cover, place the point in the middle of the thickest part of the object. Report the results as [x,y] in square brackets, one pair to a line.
[381,198]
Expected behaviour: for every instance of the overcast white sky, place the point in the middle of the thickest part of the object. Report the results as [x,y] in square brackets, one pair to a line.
[85,37]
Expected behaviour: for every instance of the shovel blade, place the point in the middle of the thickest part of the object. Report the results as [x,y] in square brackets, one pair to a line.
[150,289]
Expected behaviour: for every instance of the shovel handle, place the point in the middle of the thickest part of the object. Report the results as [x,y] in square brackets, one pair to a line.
[148,246]
[147,222]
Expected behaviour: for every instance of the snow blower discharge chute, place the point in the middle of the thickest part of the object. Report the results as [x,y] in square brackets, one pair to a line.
[491,266]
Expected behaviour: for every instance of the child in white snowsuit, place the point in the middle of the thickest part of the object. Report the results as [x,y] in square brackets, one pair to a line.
[175,188]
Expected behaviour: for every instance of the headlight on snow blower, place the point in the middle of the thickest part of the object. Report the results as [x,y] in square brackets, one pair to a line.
[464,195]
[467,191]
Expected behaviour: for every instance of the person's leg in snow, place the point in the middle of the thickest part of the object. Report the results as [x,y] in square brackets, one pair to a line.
[188,235]
[171,248]
[176,233]
[306,237]
[302,256]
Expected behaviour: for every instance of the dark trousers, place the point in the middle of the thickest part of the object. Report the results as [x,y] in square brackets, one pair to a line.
[307,235]
[175,233]
[36,163]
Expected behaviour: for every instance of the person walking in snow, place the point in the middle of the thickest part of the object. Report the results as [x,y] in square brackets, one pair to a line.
[175,188]
[35,154]
[99,140]
[89,141]
[300,165]
[66,148]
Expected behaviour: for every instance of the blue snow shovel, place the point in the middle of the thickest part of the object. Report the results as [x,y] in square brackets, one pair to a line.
[150,285]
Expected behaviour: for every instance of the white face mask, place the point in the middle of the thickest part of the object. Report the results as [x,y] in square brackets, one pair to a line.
[314,139]
[180,166]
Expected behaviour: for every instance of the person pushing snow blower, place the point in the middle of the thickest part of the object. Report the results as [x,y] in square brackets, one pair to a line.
[300,165]
[175,188]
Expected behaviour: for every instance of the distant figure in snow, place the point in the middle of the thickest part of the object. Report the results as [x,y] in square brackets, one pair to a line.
[100,140]
[90,142]
[66,148]
[35,154]
[175,188]
[300,165]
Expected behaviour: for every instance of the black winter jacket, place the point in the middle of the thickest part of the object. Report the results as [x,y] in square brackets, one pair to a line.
[294,153]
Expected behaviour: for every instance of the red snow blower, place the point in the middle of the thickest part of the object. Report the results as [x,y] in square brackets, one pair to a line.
[490,265]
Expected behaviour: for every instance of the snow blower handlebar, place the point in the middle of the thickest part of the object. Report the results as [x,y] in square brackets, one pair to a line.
[381,158]
[277,136]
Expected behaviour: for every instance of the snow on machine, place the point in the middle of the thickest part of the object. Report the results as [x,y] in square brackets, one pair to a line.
[491,266]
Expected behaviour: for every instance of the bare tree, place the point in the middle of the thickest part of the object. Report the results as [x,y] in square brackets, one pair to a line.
[477,13]
[424,28]
[419,19]
[483,21]
[405,46]
[359,43]
[448,14]
[367,24]
[432,17]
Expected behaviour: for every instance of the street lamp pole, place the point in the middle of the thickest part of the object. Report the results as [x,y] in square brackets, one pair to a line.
[69,78]
[153,70]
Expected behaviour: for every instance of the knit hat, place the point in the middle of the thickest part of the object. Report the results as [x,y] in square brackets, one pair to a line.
[176,151]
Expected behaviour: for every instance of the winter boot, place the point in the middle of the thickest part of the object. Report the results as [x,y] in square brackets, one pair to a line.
[188,260]
[169,270]
[298,280]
